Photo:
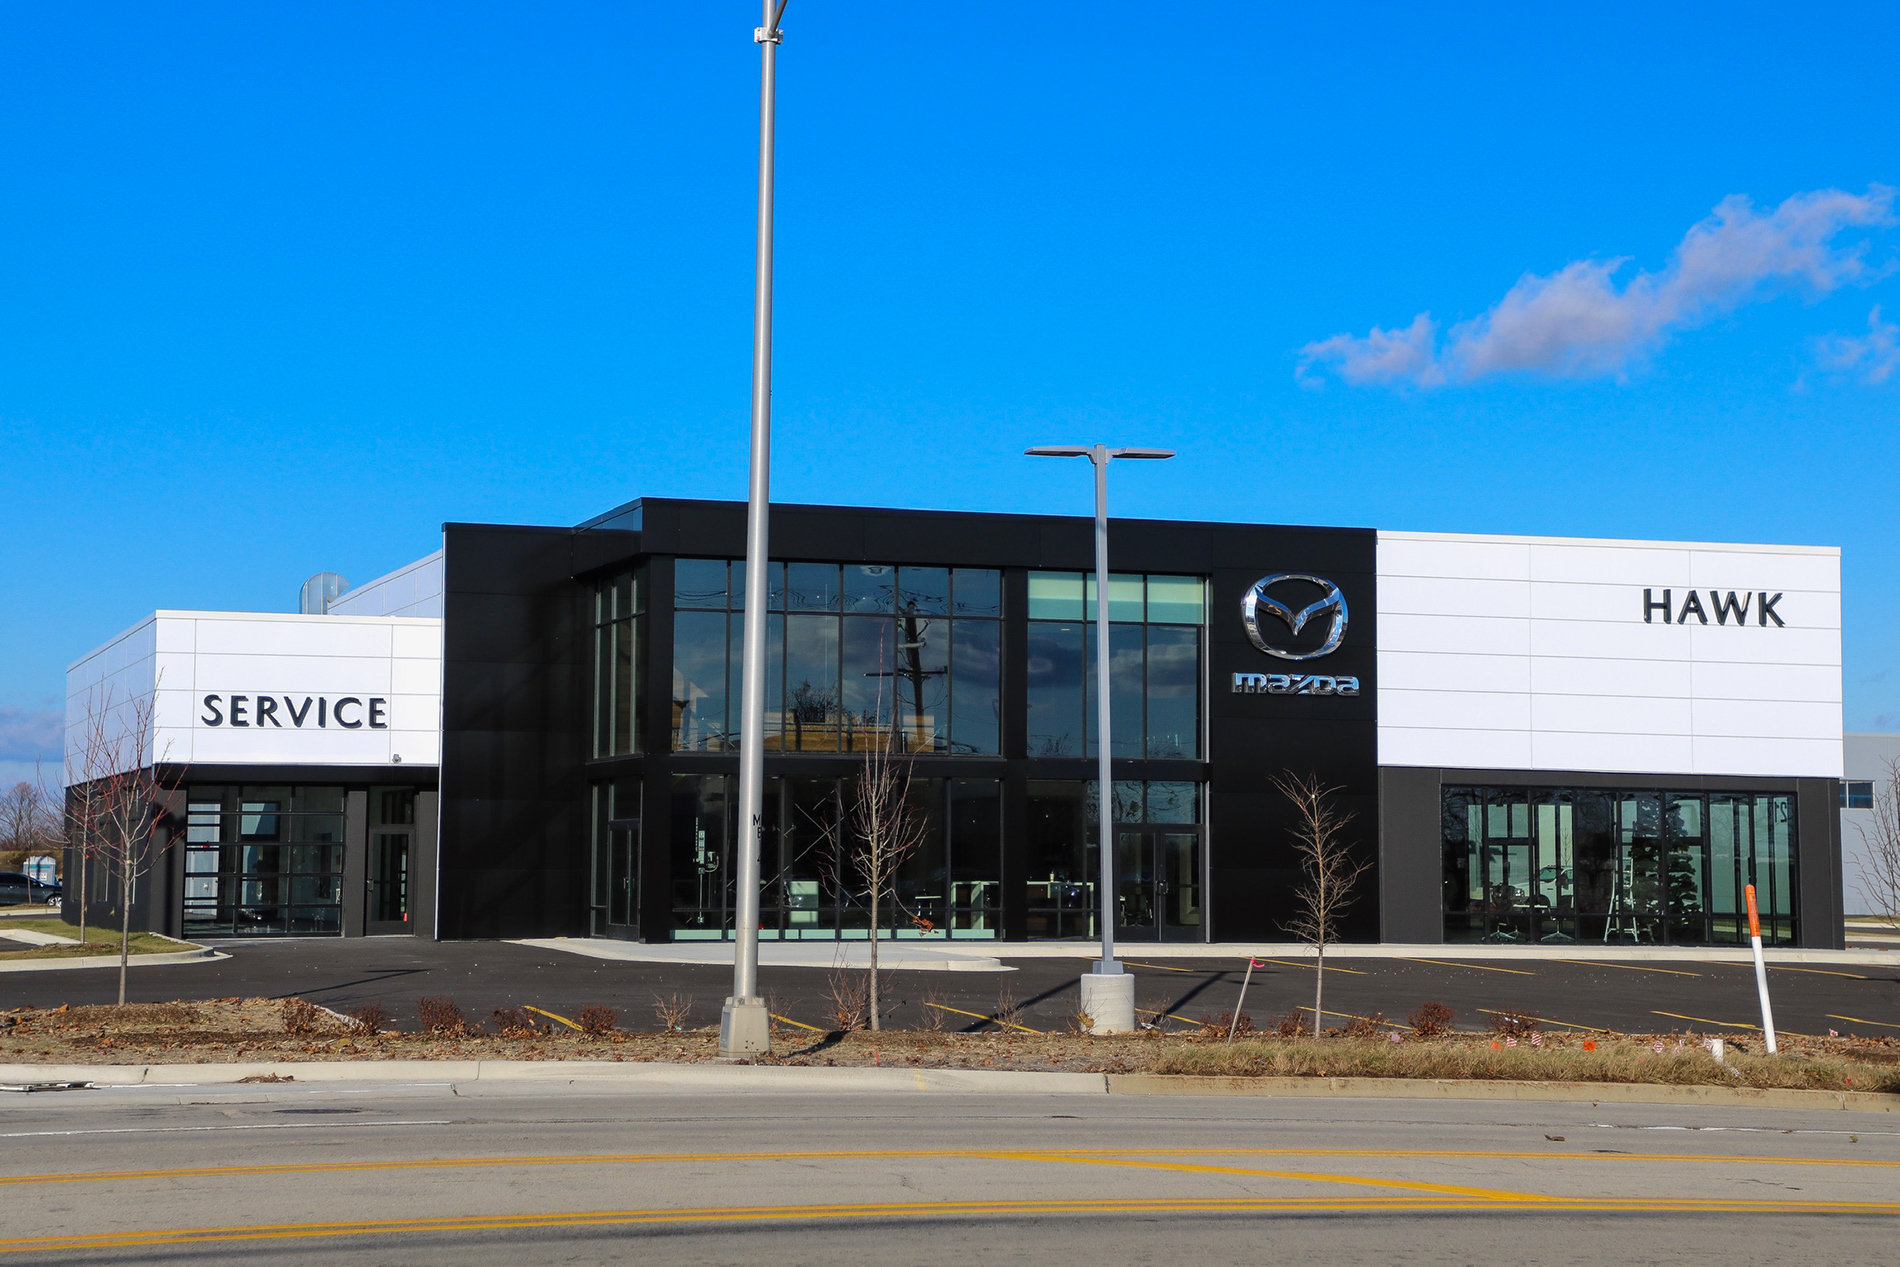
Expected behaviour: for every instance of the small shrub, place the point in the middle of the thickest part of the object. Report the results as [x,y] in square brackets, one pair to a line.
[672,1011]
[1008,1013]
[518,1022]
[1080,1022]
[302,1017]
[1432,1019]
[369,1020]
[1214,1026]
[1293,1024]
[847,1001]
[441,1017]
[595,1020]
[1366,1026]
[1513,1025]
[933,1017]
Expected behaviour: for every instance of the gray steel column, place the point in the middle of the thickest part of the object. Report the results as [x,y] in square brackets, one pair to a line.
[744,1027]
[1105,787]
[1107,993]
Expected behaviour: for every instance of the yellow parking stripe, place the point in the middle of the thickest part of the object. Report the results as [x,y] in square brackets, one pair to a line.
[1631,967]
[1297,963]
[1481,967]
[982,1016]
[1861,1020]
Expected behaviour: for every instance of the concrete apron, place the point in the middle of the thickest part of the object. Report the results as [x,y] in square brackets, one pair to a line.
[738,1079]
[987,956]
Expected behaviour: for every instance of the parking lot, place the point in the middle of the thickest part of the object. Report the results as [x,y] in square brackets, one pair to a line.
[1659,996]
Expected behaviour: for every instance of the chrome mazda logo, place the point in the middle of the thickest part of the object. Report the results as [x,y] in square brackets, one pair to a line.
[1258,601]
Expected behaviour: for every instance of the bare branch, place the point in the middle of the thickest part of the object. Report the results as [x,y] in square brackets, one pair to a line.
[1880,864]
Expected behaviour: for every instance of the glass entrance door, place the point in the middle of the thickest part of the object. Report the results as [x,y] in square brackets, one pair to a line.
[389,853]
[1158,884]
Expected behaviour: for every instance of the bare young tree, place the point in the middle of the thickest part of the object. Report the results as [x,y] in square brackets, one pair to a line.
[26,824]
[1880,864]
[1328,872]
[89,760]
[881,831]
[116,807]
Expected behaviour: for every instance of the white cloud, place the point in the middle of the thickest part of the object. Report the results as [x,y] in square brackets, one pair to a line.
[1384,356]
[1874,356]
[1576,323]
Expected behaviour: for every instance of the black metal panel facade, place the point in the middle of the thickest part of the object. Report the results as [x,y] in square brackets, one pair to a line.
[513,812]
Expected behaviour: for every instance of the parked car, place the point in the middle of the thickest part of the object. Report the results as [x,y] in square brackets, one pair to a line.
[17,887]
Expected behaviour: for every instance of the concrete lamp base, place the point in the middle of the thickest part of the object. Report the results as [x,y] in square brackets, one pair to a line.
[1109,1000]
[745,1029]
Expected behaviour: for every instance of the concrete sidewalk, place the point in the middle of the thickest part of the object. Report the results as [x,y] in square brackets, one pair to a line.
[989,956]
[281,1079]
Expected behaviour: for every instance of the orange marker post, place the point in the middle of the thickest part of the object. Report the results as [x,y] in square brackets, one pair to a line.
[1761,970]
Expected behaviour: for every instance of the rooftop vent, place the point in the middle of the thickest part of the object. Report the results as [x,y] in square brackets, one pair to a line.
[319,592]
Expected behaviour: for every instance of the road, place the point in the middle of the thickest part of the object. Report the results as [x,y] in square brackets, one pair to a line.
[498,1173]
[1662,996]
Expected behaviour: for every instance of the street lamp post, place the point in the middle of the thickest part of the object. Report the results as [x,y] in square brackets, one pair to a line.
[1108,993]
[745,1028]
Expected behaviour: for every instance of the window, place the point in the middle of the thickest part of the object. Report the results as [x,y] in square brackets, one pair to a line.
[950,888]
[1565,865]
[264,860]
[618,659]
[853,653]
[1857,795]
[1154,649]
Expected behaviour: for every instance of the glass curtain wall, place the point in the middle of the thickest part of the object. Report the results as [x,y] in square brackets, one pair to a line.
[1154,648]
[619,653]
[1589,865]
[853,654]
[950,888]
[264,861]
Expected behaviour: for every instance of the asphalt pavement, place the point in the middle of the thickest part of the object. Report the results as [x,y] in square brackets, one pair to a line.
[483,1173]
[1647,997]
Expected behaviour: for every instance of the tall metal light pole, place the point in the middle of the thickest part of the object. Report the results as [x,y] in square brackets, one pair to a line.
[1108,993]
[745,1028]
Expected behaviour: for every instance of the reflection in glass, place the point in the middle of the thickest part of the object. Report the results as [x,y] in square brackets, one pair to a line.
[1579,864]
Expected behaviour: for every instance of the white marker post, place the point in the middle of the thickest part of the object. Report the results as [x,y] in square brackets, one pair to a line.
[1233,1022]
[1761,970]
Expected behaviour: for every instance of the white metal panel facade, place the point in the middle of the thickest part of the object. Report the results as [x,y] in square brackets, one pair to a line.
[210,670]
[1533,653]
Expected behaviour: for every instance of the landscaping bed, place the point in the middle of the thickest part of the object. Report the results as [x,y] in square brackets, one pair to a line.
[267,1030]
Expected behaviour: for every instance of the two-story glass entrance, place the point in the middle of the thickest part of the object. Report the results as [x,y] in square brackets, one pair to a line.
[1159,861]
[951,886]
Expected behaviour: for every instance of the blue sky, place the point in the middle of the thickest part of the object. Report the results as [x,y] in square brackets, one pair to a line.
[282,289]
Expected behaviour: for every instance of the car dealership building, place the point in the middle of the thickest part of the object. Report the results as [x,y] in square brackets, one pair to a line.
[533,732]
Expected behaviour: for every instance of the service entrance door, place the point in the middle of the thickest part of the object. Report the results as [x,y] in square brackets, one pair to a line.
[389,854]
[1158,884]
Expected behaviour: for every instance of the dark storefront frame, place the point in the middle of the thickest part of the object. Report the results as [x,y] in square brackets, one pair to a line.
[519,719]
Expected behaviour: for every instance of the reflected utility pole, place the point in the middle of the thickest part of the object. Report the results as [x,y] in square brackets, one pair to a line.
[745,1028]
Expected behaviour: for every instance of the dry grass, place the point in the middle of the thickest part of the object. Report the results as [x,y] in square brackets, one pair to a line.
[264,1029]
[1561,1058]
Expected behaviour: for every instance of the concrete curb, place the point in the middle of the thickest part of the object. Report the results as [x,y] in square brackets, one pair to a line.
[1474,1089]
[656,1075]
[706,1077]
[199,955]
